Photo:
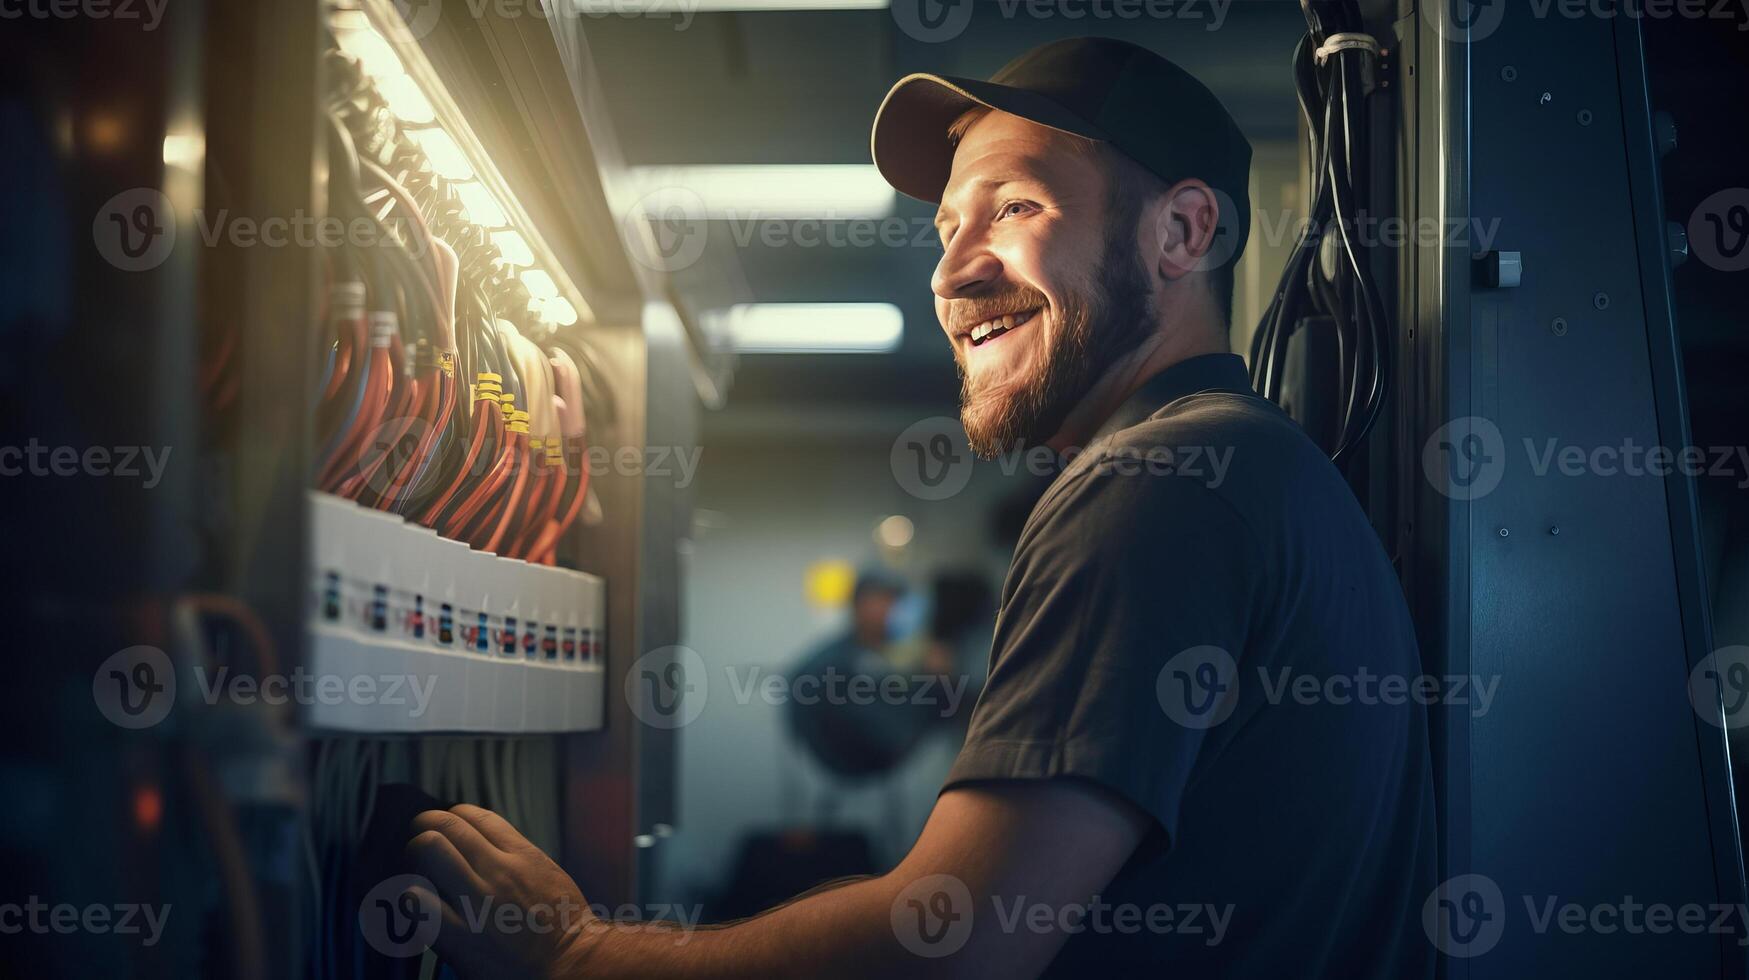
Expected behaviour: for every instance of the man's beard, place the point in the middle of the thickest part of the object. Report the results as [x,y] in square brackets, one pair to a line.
[1092,332]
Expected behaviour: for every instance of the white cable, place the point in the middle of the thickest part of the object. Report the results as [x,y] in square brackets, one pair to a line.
[1348,41]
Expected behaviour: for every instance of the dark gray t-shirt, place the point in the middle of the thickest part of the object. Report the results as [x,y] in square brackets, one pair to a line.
[1200,618]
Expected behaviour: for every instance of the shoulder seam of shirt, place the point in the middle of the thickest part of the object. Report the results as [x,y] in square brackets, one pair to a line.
[1070,479]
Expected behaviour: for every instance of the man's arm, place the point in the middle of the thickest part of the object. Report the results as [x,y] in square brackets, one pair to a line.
[946,910]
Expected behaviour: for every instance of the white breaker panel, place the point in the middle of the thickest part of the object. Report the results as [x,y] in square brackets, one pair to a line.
[412,632]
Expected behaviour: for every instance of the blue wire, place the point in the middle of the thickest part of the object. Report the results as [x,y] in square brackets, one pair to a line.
[379,281]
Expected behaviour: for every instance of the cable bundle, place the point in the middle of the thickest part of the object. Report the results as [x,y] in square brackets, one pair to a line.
[1328,273]
[434,402]
[516,777]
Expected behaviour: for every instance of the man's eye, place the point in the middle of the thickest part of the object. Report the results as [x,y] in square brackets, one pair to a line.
[1013,208]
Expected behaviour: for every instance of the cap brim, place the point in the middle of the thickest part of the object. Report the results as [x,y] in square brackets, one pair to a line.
[910,145]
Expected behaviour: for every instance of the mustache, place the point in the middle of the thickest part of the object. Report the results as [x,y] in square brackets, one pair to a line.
[962,315]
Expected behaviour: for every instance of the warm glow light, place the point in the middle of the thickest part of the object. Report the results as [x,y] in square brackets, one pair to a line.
[406,101]
[896,531]
[400,72]
[743,192]
[479,206]
[185,150]
[559,311]
[105,132]
[808,328]
[378,58]
[655,8]
[828,583]
[446,157]
[540,285]
[513,248]
[349,20]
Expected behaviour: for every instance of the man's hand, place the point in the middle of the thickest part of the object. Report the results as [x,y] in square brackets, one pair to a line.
[508,910]
[1054,843]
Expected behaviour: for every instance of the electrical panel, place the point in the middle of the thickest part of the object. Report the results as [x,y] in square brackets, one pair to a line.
[483,643]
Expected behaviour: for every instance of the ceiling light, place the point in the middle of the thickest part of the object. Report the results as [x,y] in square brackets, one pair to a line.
[559,311]
[446,157]
[406,101]
[513,248]
[539,284]
[372,51]
[658,7]
[734,192]
[808,328]
[479,206]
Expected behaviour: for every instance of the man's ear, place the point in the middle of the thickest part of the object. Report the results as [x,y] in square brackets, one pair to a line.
[1187,218]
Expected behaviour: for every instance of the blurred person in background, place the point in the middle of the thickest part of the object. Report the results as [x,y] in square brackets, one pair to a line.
[831,712]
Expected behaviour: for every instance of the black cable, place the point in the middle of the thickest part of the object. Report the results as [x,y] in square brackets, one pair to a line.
[1347,293]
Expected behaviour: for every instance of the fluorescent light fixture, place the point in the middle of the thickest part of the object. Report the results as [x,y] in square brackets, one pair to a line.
[513,248]
[753,192]
[539,284]
[808,328]
[650,8]
[446,157]
[406,101]
[479,206]
[369,47]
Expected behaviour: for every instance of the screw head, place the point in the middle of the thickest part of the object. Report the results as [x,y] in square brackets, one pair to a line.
[1601,301]
[1504,532]
[1558,326]
[1509,74]
[1585,117]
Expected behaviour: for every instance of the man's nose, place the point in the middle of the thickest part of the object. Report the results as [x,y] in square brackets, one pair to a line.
[965,270]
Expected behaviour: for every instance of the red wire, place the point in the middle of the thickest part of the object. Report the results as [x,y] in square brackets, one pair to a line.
[351,340]
[547,544]
[543,507]
[404,489]
[371,485]
[514,500]
[485,407]
[395,415]
[477,497]
[376,398]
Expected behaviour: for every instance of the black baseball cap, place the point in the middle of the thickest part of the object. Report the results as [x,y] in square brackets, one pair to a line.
[1148,108]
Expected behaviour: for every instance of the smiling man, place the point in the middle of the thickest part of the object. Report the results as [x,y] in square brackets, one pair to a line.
[1138,794]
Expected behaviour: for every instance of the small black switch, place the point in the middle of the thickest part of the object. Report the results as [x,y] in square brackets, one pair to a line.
[1499,270]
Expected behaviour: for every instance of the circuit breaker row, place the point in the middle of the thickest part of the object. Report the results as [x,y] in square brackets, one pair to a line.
[414,632]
